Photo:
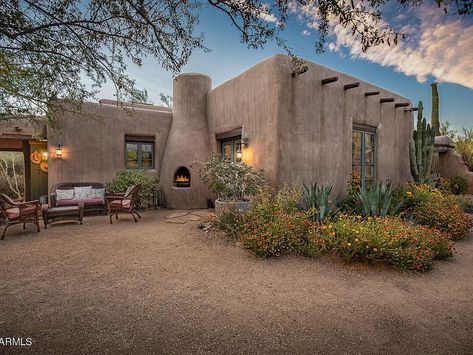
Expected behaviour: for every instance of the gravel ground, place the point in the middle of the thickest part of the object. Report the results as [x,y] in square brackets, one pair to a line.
[156,287]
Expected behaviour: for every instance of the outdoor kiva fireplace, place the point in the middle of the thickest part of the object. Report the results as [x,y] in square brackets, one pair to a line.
[182,177]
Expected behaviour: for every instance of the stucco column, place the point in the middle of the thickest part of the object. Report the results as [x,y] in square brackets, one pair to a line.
[188,141]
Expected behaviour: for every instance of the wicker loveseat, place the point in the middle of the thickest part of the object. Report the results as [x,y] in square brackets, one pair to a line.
[71,193]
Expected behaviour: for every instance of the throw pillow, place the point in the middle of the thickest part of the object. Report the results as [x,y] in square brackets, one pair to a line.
[97,193]
[128,191]
[82,192]
[64,194]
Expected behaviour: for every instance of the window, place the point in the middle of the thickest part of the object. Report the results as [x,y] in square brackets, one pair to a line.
[139,154]
[231,148]
[364,154]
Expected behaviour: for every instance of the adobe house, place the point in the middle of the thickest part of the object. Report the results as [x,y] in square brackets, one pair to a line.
[313,125]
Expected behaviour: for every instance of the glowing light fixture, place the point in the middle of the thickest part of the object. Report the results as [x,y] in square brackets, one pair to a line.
[59,151]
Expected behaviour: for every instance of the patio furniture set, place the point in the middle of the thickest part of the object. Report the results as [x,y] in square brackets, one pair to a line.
[69,202]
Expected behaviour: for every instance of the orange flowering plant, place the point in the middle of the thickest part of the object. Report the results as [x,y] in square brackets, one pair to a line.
[435,208]
[275,225]
[399,243]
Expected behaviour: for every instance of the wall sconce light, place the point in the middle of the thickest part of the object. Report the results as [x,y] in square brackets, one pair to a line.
[238,152]
[59,151]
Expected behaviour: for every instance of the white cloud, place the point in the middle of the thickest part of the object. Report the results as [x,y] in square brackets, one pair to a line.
[268,17]
[437,45]
[305,33]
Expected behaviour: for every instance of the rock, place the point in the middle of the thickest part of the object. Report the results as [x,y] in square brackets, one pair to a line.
[177,214]
[176,220]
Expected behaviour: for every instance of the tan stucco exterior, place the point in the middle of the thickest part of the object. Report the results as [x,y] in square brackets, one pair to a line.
[298,130]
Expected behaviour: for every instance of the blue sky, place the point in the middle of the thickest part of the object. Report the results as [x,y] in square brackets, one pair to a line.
[442,50]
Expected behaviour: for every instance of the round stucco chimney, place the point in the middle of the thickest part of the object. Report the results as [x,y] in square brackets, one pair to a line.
[187,143]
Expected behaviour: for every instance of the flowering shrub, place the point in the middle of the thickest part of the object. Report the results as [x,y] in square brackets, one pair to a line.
[388,239]
[274,225]
[437,209]
[231,180]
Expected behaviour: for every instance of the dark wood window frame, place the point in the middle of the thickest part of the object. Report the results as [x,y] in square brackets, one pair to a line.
[140,141]
[366,130]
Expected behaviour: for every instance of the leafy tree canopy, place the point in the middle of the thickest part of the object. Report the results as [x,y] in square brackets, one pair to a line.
[47,46]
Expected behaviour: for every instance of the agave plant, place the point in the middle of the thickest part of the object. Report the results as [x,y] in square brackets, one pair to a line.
[377,201]
[316,201]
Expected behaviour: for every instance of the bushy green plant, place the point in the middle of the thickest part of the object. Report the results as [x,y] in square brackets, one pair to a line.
[464,146]
[436,209]
[230,222]
[378,200]
[231,180]
[389,239]
[463,142]
[274,226]
[458,185]
[351,204]
[123,179]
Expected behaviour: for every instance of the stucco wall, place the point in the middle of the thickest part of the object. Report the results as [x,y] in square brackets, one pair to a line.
[301,131]
[316,128]
[94,149]
[250,101]
[451,164]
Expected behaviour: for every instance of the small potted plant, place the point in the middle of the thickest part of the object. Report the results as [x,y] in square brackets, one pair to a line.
[232,182]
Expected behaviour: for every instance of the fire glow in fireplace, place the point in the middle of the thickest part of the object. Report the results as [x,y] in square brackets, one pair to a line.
[182,177]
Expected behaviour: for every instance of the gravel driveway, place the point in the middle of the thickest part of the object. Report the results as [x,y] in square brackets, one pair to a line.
[157,287]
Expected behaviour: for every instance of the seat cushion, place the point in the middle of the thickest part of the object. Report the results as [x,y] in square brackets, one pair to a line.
[93,201]
[120,203]
[14,212]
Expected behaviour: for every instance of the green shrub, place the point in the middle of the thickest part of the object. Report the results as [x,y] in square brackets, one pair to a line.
[436,209]
[126,178]
[274,226]
[231,180]
[458,185]
[389,239]
[231,222]
[351,204]
[464,146]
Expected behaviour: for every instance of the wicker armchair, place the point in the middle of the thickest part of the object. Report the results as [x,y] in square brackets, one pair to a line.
[123,203]
[12,213]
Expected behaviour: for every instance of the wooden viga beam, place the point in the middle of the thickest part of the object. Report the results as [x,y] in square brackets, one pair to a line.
[386,99]
[401,104]
[351,86]
[332,79]
[411,109]
[372,93]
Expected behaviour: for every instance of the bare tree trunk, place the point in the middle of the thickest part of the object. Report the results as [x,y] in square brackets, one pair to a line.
[12,181]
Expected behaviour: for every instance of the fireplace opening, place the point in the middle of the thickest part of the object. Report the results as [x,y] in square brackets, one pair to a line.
[182,177]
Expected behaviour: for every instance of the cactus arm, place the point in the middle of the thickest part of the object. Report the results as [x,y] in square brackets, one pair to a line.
[412,159]
[435,110]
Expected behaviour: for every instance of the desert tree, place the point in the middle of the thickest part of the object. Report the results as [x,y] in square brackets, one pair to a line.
[12,174]
[47,47]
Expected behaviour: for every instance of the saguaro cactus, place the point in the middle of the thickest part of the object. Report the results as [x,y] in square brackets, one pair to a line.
[435,121]
[421,148]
